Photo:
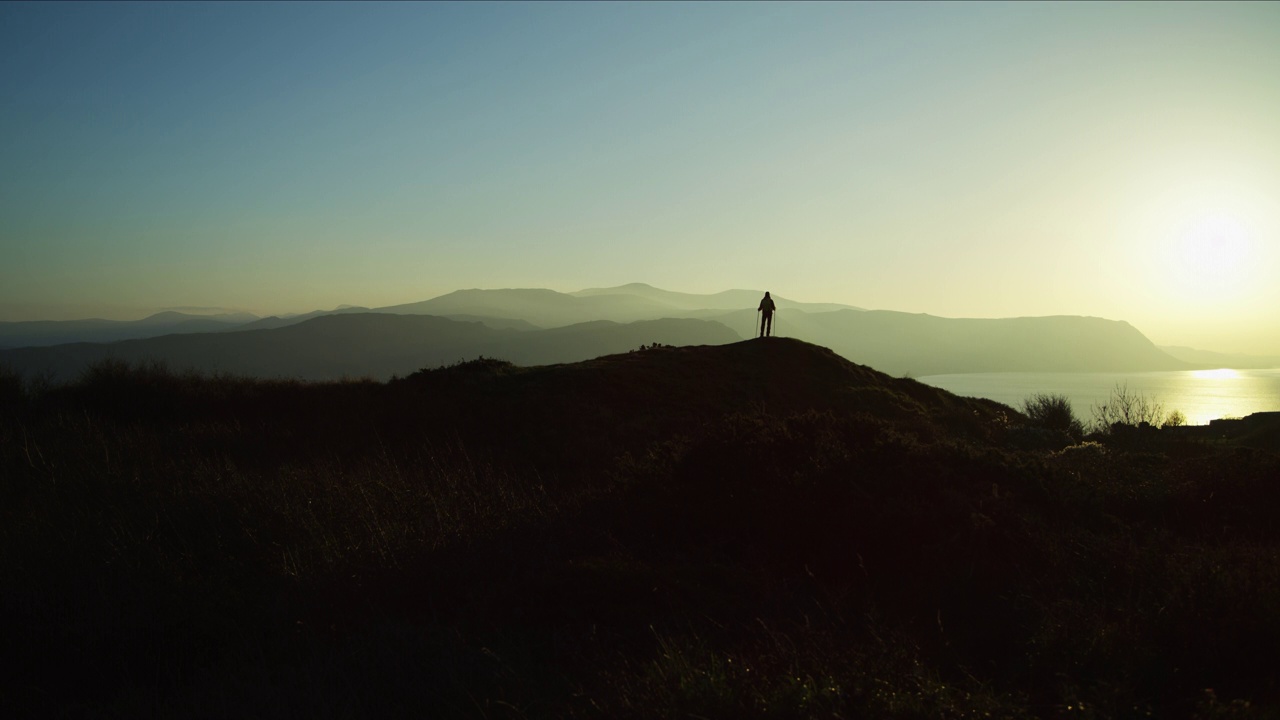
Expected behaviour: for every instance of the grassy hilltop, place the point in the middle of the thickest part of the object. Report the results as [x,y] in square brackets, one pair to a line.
[760,529]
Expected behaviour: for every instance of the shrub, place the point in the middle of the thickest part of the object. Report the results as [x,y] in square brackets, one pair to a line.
[481,366]
[1053,412]
[12,388]
[17,389]
[1127,408]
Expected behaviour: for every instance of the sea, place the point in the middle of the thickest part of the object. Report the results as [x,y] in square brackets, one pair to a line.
[1201,395]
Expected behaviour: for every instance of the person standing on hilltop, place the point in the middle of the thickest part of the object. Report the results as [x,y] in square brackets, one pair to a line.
[766,315]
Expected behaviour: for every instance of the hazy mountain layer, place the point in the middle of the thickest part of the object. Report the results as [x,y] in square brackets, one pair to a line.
[726,300]
[900,343]
[894,342]
[55,332]
[275,321]
[1220,360]
[544,308]
[627,303]
[368,344]
[905,343]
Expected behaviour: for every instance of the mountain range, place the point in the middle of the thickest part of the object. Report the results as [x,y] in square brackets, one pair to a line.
[533,326]
[56,332]
[377,345]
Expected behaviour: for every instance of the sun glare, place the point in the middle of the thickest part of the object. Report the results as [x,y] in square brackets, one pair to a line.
[1209,262]
[1215,249]
[1218,374]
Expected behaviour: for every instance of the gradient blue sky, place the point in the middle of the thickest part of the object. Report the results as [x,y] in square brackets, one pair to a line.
[965,160]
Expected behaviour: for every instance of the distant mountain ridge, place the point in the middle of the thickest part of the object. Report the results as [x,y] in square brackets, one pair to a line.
[894,342]
[917,344]
[725,300]
[31,333]
[1220,360]
[626,303]
[376,345]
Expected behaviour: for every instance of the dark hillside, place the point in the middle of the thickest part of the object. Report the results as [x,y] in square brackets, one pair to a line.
[775,375]
[759,529]
[628,401]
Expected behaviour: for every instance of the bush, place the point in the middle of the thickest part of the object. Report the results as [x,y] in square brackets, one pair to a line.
[1053,412]
[12,388]
[1127,408]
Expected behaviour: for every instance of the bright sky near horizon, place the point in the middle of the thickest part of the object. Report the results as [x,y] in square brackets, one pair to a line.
[964,160]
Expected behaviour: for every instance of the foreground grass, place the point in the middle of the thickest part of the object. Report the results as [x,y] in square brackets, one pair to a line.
[478,541]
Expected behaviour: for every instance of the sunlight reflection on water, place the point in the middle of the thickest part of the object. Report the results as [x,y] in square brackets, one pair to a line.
[1219,374]
[1201,395]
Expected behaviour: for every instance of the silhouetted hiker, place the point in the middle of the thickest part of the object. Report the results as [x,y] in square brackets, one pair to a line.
[766,315]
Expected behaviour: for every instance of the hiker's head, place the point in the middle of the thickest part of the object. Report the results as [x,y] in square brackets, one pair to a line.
[766,293]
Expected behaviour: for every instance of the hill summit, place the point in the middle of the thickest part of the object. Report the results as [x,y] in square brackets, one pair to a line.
[626,400]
